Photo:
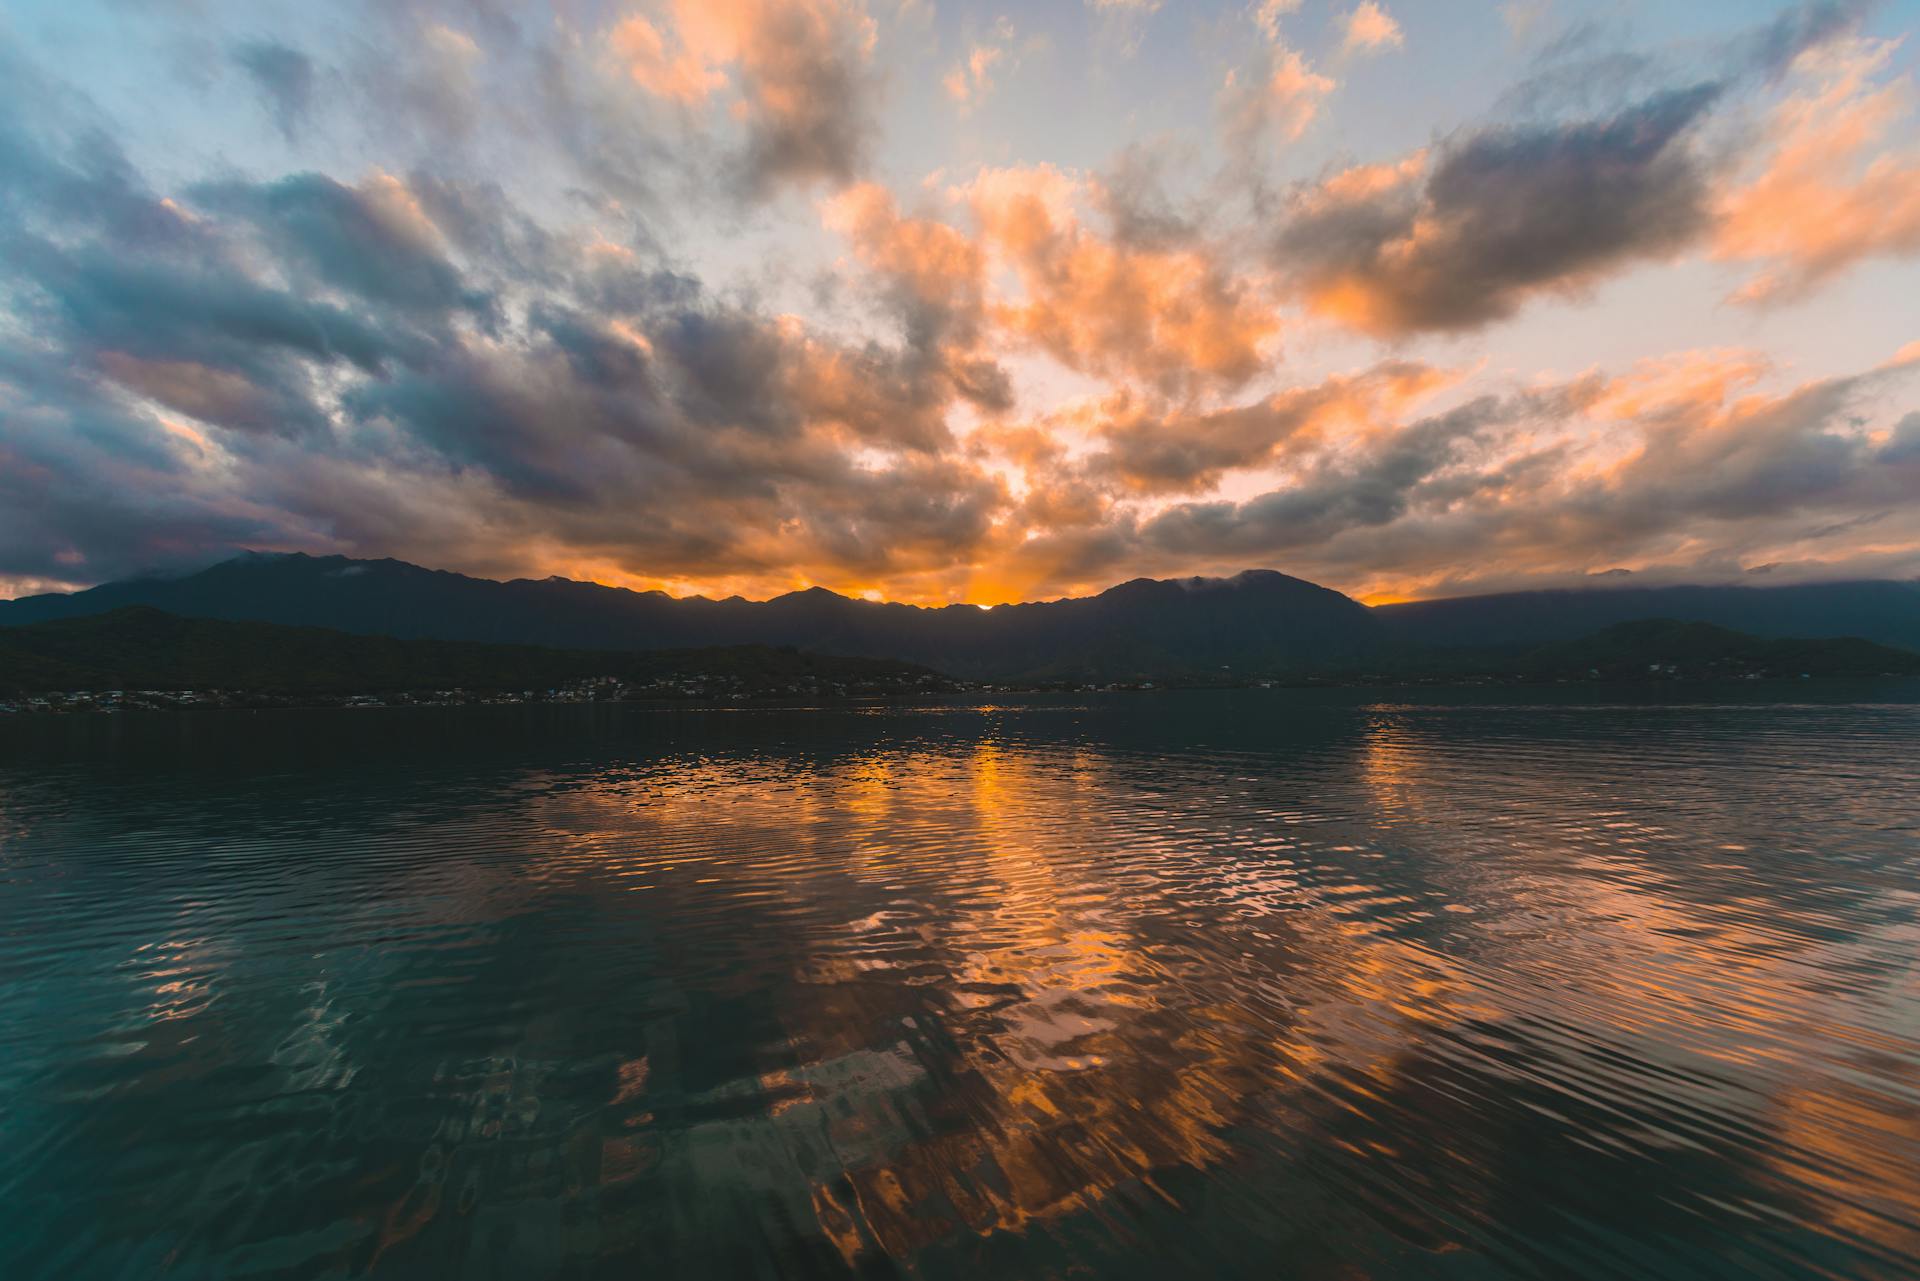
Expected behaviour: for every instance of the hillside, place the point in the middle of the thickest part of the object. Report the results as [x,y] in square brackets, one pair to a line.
[1881,611]
[143,648]
[1667,648]
[1257,621]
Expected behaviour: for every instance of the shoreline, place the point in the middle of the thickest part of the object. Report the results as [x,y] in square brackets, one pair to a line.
[111,703]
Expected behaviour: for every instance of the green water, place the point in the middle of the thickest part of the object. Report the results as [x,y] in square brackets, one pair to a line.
[1248,984]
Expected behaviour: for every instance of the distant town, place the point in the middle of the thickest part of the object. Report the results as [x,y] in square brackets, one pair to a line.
[140,658]
[694,687]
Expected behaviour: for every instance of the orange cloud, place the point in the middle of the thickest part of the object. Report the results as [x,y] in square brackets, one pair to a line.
[682,75]
[1830,193]
[1279,99]
[803,69]
[1268,16]
[1369,29]
[971,79]
[1173,317]
[1365,182]
[1690,383]
[936,262]
[935,278]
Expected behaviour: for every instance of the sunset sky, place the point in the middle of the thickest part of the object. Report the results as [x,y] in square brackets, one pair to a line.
[940,301]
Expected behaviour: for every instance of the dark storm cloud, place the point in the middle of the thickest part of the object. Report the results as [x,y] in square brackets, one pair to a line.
[284,78]
[84,481]
[1903,446]
[811,91]
[1801,451]
[140,290]
[1506,482]
[414,363]
[1503,214]
[192,310]
[1373,490]
[1543,202]
[365,241]
[61,170]
[481,222]
[1153,447]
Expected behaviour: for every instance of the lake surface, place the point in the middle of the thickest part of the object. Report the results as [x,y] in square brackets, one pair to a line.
[1303,984]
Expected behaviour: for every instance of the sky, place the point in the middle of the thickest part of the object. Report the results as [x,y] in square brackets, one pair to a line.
[942,302]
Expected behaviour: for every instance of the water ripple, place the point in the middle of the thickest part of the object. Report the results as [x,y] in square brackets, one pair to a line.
[1201,984]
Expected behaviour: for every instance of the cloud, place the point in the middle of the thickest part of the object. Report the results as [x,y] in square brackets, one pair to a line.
[1678,469]
[1773,47]
[1903,442]
[1149,447]
[680,74]
[1172,317]
[971,79]
[1271,100]
[374,241]
[933,281]
[413,365]
[802,70]
[1551,204]
[1502,215]
[1368,28]
[1826,193]
[1268,14]
[1336,497]
[284,78]
[1132,193]
[487,340]
[1164,311]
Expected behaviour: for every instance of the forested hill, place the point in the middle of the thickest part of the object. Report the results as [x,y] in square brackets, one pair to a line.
[143,648]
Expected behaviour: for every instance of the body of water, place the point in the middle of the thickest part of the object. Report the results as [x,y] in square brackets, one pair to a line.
[1274,984]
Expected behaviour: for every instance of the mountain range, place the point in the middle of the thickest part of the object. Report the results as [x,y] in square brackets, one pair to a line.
[1257,622]
[1884,611]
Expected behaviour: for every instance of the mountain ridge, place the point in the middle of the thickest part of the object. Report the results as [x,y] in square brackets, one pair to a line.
[1256,620]
[1261,618]
[1885,611]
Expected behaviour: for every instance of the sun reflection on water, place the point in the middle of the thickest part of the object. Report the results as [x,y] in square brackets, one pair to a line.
[1418,984]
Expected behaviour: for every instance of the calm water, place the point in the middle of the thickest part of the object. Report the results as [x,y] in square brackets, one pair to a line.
[1330,985]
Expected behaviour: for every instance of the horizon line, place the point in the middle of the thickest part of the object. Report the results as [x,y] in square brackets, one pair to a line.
[1600,580]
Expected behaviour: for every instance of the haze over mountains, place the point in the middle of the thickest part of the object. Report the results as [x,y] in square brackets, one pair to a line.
[1255,621]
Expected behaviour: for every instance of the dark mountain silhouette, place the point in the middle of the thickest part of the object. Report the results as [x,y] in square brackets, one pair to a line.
[1254,622]
[1880,611]
[1665,647]
[138,647]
